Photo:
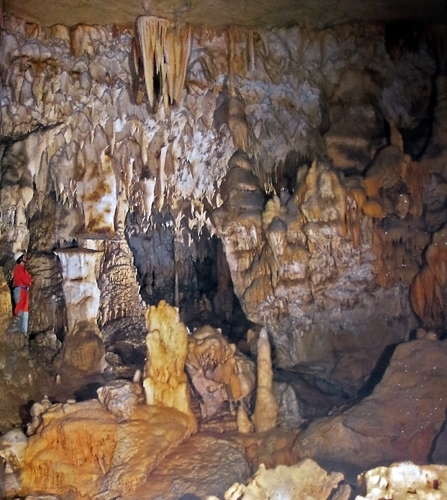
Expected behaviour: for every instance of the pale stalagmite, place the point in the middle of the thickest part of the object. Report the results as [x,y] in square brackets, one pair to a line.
[266,410]
[165,383]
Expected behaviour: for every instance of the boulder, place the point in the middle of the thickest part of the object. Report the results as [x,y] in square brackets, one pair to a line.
[398,421]
[204,465]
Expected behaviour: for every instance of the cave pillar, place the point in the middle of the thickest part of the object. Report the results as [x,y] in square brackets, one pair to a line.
[83,348]
[80,286]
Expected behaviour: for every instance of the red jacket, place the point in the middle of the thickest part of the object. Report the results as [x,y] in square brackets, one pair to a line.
[22,278]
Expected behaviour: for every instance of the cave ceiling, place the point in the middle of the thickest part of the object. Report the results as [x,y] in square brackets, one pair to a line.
[321,13]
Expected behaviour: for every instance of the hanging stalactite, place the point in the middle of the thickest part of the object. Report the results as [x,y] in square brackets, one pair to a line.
[165,48]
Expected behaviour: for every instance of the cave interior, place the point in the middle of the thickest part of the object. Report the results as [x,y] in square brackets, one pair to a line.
[234,216]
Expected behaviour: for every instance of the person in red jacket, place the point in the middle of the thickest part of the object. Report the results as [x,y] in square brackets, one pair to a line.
[21,282]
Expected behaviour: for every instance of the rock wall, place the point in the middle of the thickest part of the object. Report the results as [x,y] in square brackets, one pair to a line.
[290,144]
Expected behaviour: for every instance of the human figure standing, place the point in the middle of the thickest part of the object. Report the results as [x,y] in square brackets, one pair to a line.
[21,281]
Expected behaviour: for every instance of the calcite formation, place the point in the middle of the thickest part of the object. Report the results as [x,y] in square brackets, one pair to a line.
[287,172]
[203,465]
[165,382]
[165,48]
[79,271]
[5,304]
[404,480]
[218,372]
[82,449]
[306,479]
[12,452]
[428,290]
[266,410]
[320,218]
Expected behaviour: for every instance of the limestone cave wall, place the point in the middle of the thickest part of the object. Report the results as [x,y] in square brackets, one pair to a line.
[316,158]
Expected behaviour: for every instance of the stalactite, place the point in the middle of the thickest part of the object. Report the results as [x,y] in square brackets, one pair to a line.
[165,49]
[241,53]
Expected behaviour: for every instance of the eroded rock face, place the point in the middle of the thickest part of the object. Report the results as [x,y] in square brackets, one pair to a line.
[203,465]
[398,421]
[320,212]
[81,449]
[305,265]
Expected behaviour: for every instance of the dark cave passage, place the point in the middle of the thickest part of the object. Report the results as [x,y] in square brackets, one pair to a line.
[194,277]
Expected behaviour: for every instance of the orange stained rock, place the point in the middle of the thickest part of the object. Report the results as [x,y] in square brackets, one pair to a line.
[414,176]
[428,288]
[355,200]
[165,382]
[81,450]
[321,197]
[374,209]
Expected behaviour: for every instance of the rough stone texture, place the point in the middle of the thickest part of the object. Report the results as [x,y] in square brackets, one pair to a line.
[82,450]
[12,452]
[303,480]
[48,320]
[121,311]
[289,410]
[256,13]
[83,350]
[299,266]
[218,372]
[323,232]
[271,448]
[398,421]
[22,379]
[5,303]
[405,480]
[203,465]
[121,398]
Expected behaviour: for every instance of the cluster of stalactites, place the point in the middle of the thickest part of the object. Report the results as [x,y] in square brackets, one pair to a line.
[165,48]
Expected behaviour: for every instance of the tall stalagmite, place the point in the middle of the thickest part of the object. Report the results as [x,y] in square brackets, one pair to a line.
[165,382]
[266,410]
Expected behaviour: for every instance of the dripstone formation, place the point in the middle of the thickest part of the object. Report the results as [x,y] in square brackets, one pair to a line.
[230,230]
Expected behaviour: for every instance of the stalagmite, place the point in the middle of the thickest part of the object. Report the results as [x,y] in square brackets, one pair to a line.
[165,49]
[244,425]
[266,410]
[165,382]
